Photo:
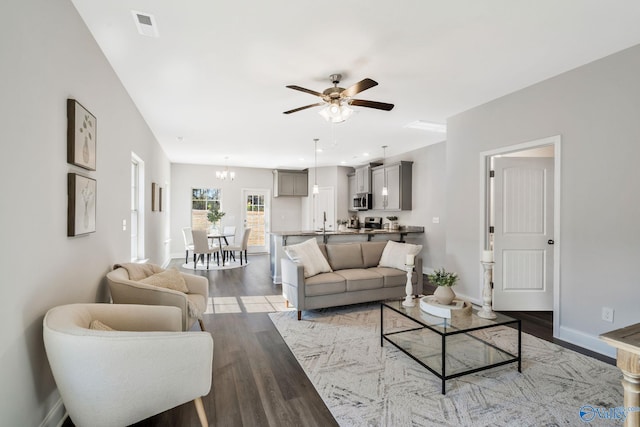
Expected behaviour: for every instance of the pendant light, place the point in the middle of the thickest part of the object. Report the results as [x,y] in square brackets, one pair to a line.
[385,191]
[316,190]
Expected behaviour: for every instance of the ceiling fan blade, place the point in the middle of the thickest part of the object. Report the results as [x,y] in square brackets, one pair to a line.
[358,87]
[303,108]
[371,104]
[301,89]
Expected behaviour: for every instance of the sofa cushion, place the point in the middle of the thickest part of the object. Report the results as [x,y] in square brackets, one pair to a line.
[323,249]
[170,279]
[345,255]
[395,254]
[392,276]
[371,253]
[324,284]
[308,253]
[359,279]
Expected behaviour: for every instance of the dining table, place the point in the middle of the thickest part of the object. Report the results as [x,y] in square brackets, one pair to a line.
[220,237]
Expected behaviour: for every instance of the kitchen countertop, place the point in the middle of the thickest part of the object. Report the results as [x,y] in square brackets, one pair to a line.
[353,231]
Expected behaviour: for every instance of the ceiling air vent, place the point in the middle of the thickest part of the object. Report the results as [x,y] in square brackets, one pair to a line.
[145,23]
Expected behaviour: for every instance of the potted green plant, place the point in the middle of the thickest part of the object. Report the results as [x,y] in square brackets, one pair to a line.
[393,222]
[214,216]
[342,224]
[443,280]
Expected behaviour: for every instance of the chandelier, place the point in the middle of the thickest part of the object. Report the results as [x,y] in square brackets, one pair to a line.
[226,173]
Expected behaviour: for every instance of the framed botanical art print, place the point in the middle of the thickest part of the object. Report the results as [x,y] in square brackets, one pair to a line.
[154,197]
[81,136]
[81,215]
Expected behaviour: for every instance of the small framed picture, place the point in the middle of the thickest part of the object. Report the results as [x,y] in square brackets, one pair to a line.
[81,136]
[154,197]
[81,215]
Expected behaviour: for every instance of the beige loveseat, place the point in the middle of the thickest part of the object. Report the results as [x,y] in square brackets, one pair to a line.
[131,284]
[355,277]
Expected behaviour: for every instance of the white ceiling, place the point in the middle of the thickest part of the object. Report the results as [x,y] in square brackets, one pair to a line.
[217,73]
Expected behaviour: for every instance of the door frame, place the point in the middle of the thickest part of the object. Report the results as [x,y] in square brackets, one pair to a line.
[485,166]
[267,213]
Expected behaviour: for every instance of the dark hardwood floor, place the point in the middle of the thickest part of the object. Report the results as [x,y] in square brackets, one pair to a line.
[256,379]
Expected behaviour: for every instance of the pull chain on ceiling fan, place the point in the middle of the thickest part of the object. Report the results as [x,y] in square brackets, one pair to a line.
[337,100]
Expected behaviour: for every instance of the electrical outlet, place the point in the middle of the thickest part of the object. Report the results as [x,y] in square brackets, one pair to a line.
[607,314]
[436,220]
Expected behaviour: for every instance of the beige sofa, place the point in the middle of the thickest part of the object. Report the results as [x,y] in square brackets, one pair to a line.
[356,278]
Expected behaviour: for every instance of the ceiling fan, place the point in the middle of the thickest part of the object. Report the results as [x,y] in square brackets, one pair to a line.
[337,100]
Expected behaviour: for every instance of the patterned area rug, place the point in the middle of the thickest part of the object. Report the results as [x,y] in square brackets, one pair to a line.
[364,384]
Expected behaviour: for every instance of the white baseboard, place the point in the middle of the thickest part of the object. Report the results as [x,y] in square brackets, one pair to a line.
[587,341]
[56,415]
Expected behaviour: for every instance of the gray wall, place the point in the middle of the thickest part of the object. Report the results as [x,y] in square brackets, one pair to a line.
[48,55]
[595,109]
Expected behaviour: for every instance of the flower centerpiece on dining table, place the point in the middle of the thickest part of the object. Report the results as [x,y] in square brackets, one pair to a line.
[214,216]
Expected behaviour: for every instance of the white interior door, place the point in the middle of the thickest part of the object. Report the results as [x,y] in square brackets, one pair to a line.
[523,234]
[324,204]
[256,214]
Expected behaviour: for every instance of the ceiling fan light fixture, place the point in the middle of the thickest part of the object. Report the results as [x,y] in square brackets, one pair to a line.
[336,112]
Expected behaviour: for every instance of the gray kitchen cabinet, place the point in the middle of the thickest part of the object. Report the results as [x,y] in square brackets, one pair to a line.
[290,183]
[398,179]
[352,189]
[363,179]
[377,182]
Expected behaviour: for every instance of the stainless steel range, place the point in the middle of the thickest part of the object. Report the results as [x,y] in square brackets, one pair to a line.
[373,222]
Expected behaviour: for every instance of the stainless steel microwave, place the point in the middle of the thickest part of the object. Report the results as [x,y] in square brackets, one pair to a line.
[361,202]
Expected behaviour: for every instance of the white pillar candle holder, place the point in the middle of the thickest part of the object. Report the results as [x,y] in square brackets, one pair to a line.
[408,300]
[486,311]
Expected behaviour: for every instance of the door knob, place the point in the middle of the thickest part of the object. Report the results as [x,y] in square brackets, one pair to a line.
[550,241]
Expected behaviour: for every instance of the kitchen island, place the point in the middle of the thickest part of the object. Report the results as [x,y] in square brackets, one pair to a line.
[280,239]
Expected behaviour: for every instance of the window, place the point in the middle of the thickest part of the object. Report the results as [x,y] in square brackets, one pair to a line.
[202,200]
[137,208]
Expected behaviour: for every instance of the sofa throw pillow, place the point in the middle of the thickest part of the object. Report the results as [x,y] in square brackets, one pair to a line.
[97,325]
[308,253]
[395,254]
[169,279]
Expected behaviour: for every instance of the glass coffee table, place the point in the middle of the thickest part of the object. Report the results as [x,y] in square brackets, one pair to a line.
[449,348]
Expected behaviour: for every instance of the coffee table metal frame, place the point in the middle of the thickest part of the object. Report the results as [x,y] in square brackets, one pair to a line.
[449,328]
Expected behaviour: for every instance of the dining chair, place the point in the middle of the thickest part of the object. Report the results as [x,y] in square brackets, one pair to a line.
[188,242]
[229,232]
[202,247]
[242,247]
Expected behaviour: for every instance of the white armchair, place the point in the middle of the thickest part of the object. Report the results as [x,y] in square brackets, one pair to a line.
[147,365]
[124,290]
